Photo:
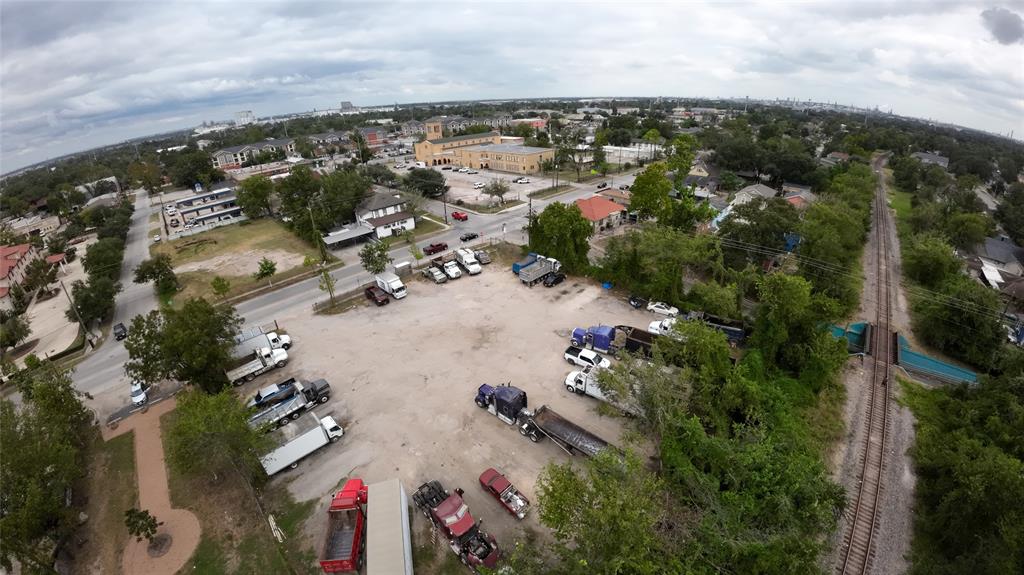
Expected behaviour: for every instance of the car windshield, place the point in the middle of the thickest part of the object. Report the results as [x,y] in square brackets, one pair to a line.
[457,516]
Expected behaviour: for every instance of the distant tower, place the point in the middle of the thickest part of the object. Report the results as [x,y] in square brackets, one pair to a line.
[346,106]
[244,117]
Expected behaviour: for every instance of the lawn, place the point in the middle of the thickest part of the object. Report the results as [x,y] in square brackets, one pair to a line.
[552,191]
[111,489]
[263,234]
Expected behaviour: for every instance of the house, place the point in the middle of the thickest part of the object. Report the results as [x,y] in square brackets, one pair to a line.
[386,213]
[621,197]
[702,186]
[798,195]
[14,261]
[752,192]
[233,157]
[413,127]
[601,212]
[375,137]
[1002,254]
[834,159]
[37,225]
[928,158]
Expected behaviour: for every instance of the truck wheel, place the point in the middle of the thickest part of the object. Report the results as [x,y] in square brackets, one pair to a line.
[571,389]
[295,415]
[324,399]
[281,364]
[522,431]
[569,361]
[575,343]
[335,439]
[250,377]
[481,404]
[534,437]
[287,346]
[294,465]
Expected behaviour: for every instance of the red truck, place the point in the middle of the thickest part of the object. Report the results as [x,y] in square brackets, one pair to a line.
[345,541]
[507,495]
[461,216]
[450,516]
[435,248]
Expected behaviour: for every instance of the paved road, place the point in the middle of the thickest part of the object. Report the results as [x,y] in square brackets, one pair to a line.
[102,372]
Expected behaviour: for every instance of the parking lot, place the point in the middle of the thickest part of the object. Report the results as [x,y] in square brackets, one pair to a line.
[461,184]
[404,376]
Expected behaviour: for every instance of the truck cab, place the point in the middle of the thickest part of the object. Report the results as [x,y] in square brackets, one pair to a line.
[504,401]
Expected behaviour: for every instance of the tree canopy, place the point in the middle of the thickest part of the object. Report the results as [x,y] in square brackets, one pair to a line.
[561,232]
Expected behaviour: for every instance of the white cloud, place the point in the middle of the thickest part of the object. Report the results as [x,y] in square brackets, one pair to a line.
[76,75]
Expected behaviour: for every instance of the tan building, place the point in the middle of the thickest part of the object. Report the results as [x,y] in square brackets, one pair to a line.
[504,157]
[441,151]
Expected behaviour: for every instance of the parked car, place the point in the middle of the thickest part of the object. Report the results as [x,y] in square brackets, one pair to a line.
[602,185]
[662,308]
[461,216]
[523,180]
[586,358]
[435,248]
[156,239]
[446,167]
[507,495]
[376,295]
[139,396]
[554,279]
[472,172]
[637,301]
[624,187]
[463,170]
[469,236]
[174,223]
[435,274]
[662,326]
[478,185]
[482,257]
[120,332]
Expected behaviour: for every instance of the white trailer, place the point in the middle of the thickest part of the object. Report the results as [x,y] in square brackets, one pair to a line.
[302,443]
[467,258]
[388,542]
[584,382]
[391,284]
[260,361]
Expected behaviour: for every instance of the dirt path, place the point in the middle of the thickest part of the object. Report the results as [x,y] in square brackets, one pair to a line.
[154,496]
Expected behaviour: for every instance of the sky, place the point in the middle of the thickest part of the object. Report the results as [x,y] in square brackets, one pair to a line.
[76,75]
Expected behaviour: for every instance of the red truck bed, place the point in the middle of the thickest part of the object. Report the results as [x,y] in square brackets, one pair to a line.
[343,543]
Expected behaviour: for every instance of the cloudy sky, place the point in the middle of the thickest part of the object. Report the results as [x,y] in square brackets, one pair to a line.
[80,74]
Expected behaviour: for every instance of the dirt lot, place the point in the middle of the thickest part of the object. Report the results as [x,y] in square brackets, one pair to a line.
[404,377]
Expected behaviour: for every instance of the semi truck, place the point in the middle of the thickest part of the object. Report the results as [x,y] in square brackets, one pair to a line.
[247,367]
[524,263]
[509,404]
[467,259]
[298,443]
[611,340]
[305,396]
[584,382]
[452,520]
[447,265]
[539,270]
[345,541]
[390,283]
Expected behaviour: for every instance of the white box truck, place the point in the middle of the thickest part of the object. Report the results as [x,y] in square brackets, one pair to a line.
[390,283]
[246,368]
[304,442]
[584,382]
[467,258]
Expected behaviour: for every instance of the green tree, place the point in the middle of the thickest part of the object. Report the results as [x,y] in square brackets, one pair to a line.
[266,270]
[929,260]
[756,230]
[680,158]
[147,361]
[158,269]
[496,189]
[789,323]
[94,300]
[141,524]
[961,320]
[254,195]
[327,283]
[650,193]
[210,434]
[145,174]
[194,166]
[103,258]
[968,230]
[523,130]
[374,256]
[14,329]
[715,298]
[730,182]
[220,286]
[561,232]
[1010,212]
[39,274]
[379,174]
[428,183]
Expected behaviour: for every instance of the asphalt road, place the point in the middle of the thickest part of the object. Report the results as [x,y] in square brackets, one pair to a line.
[101,374]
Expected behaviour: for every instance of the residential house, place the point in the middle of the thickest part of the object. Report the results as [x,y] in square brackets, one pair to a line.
[14,261]
[386,213]
[413,127]
[602,213]
[928,158]
[834,159]
[752,192]
[703,186]
[798,195]
[621,197]
[1002,254]
[375,137]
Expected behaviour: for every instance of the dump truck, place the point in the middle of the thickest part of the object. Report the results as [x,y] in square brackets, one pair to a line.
[345,542]
[305,396]
[635,340]
[539,270]
[524,263]
[388,537]
[733,329]
[452,520]
[584,382]
[262,360]
[298,442]
[509,404]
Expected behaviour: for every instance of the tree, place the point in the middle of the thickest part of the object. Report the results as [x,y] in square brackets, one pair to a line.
[650,193]
[496,189]
[374,256]
[730,182]
[756,230]
[929,260]
[379,174]
[327,283]
[220,286]
[253,196]
[141,524]
[363,152]
[962,320]
[145,174]
[598,159]
[968,230]
[267,269]
[716,299]
[561,232]
[39,274]
[14,329]
[147,361]
[93,300]
[158,270]
[681,153]
[103,258]
[194,166]
[789,323]
[211,434]
[1010,212]
[428,183]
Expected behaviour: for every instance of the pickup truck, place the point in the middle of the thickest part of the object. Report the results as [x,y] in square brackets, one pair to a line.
[460,216]
[272,394]
[507,495]
[432,273]
[435,248]
[585,358]
[584,382]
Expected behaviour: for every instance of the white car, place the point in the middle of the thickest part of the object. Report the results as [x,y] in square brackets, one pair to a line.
[451,269]
[478,185]
[138,394]
[586,358]
[521,181]
[463,170]
[662,308]
[156,239]
[662,326]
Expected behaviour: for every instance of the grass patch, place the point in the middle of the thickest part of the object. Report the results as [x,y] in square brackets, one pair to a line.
[111,488]
[208,558]
[426,226]
[492,209]
[548,192]
[197,284]
[266,234]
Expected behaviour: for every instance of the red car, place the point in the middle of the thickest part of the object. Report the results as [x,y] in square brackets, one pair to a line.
[461,216]
[435,248]
[502,489]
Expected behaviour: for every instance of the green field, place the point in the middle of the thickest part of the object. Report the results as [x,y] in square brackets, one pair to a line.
[264,234]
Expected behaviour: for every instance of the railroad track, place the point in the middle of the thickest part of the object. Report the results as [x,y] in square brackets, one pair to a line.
[860,536]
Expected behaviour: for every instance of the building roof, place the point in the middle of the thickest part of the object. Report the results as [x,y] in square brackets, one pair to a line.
[804,194]
[55,258]
[464,137]
[349,232]
[930,158]
[1014,288]
[389,219]
[381,200]
[1002,251]
[596,208]
[788,187]
[758,190]
[838,156]
[507,148]
[10,256]
[616,193]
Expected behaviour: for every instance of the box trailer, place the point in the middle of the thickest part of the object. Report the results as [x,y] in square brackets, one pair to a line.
[301,443]
[388,538]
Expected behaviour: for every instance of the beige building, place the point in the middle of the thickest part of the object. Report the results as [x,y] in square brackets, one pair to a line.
[441,151]
[481,151]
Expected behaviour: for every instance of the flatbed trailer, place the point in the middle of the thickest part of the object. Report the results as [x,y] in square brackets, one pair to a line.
[634,340]
[546,422]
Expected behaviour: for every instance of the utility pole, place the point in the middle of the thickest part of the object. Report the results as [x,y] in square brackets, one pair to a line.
[316,234]
[78,315]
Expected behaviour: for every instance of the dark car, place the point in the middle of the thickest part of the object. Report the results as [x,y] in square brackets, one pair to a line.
[120,332]
[435,248]
[602,185]
[376,295]
[482,257]
[624,187]
[469,236]
[446,167]
[551,280]
[637,302]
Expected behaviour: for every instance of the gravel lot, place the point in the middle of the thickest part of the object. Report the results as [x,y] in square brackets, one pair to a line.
[404,377]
